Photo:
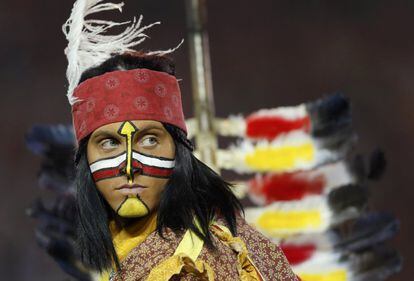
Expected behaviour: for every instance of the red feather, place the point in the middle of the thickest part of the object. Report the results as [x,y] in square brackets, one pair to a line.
[269,127]
[287,186]
[297,254]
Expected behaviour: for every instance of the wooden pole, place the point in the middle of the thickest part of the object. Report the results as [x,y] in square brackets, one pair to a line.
[206,139]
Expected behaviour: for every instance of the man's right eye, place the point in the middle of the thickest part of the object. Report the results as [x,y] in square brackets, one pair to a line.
[109,143]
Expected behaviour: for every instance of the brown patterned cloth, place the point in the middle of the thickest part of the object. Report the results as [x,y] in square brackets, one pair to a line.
[266,256]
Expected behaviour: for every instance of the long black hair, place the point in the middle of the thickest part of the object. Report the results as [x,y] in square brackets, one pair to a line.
[193,193]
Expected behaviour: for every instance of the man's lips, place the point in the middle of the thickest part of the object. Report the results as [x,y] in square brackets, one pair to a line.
[130,189]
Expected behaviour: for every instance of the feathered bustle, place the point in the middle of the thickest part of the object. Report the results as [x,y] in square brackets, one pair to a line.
[56,223]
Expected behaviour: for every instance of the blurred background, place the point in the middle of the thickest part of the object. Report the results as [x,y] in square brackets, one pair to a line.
[264,53]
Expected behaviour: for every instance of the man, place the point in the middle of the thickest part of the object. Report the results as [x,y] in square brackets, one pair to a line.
[147,208]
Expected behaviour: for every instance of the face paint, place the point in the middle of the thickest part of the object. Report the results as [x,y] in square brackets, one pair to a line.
[136,166]
[143,164]
[132,207]
[127,130]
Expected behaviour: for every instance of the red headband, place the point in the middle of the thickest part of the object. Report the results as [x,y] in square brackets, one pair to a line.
[138,94]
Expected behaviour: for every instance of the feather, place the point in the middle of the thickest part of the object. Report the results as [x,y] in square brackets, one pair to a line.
[372,265]
[376,264]
[297,254]
[324,266]
[348,196]
[330,115]
[373,170]
[271,123]
[327,119]
[366,231]
[332,123]
[264,189]
[56,143]
[89,44]
[285,187]
[354,236]
[55,233]
[287,153]
[41,139]
[313,214]
[55,229]
[62,251]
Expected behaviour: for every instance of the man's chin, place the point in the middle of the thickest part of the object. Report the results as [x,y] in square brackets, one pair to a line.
[132,207]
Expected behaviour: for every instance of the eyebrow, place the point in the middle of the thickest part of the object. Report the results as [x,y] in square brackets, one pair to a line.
[149,127]
[145,129]
[104,133]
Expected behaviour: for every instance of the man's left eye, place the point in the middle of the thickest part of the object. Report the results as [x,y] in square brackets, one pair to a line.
[149,141]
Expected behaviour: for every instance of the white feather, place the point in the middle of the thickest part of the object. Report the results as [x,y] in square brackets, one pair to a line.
[286,112]
[88,43]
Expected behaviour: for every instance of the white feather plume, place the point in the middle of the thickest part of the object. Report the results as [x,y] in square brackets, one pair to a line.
[89,46]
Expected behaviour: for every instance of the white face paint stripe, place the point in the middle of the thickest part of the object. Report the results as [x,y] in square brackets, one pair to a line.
[146,160]
[108,163]
[153,161]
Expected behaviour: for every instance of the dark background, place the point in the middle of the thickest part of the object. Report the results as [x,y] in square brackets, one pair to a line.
[264,53]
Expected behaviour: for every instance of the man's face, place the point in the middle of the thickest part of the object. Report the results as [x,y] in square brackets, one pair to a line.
[131,162]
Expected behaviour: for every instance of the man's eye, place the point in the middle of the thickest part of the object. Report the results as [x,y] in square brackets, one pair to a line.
[149,141]
[109,144]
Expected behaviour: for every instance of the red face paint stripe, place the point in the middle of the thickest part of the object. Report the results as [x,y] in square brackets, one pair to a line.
[152,171]
[107,173]
[145,170]
[156,172]
[270,127]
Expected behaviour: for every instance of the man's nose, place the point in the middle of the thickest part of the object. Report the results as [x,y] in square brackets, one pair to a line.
[135,169]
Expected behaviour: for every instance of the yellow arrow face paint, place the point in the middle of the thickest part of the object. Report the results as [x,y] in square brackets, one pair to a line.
[128,130]
[132,205]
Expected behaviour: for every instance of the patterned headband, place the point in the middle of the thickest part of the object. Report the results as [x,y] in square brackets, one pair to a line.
[138,94]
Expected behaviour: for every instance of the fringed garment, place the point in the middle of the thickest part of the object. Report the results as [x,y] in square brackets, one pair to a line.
[248,256]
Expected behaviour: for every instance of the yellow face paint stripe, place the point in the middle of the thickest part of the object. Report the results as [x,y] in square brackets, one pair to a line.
[132,207]
[280,158]
[337,275]
[274,221]
[127,130]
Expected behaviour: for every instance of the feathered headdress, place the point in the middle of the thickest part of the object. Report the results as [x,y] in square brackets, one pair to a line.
[88,43]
